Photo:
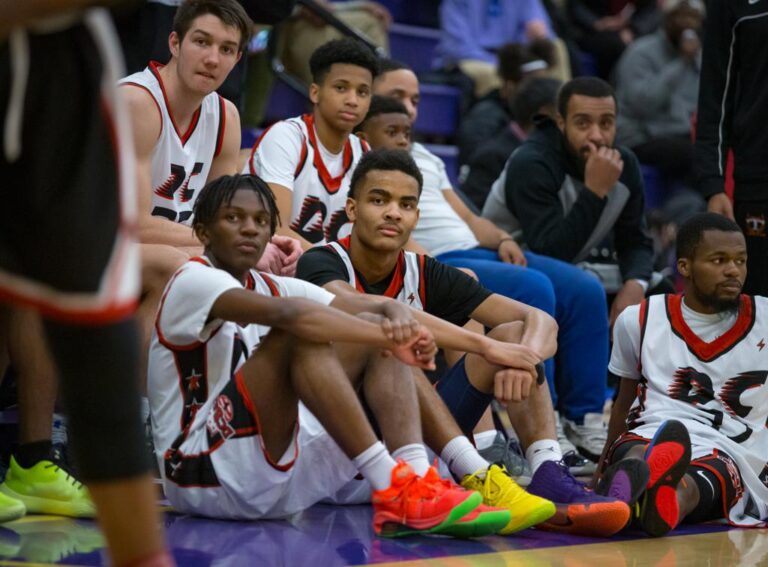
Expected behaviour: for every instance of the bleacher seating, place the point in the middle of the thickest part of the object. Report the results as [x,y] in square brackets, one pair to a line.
[413,45]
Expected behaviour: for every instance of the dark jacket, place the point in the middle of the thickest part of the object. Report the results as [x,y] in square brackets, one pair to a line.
[487,162]
[733,98]
[536,175]
[486,118]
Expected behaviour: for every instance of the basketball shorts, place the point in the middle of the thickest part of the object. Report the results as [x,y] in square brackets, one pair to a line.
[220,468]
[67,222]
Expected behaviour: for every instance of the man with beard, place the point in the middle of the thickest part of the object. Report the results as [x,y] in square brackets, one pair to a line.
[691,410]
[575,197]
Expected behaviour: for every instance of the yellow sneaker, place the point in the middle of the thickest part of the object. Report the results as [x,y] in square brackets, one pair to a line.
[499,490]
[46,488]
[11,508]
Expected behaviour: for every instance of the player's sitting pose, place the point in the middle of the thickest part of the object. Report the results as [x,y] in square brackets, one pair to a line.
[242,362]
[688,428]
[383,206]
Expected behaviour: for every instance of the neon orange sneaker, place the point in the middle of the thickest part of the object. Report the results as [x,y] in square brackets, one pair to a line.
[413,504]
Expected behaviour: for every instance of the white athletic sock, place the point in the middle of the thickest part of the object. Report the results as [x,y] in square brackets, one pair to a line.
[484,439]
[59,429]
[415,455]
[376,465]
[462,458]
[541,451]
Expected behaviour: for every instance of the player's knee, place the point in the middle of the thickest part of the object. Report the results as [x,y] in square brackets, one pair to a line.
[511,332]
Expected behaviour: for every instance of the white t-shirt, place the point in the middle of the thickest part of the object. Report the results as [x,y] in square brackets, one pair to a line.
[440,229]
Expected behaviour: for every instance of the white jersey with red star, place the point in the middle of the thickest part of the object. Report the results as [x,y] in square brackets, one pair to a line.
[289,153]
[716,388]
[181,161]
[204,423]
[407,284]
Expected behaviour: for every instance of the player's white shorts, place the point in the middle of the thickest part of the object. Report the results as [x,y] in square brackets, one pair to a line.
[220,469]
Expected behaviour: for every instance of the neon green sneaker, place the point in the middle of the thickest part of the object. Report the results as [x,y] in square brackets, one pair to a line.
[11,508]
[46,488]
[500,491]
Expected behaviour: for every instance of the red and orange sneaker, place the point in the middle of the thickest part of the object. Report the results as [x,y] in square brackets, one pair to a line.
[413,504]
[668,456]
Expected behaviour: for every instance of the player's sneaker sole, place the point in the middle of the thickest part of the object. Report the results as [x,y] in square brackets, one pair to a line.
[393,528]
[481,521]
[596,519]
[668,456]
[11,508]
[624,480]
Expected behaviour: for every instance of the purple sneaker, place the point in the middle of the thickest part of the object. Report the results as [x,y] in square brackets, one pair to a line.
[579,509]
[625,480]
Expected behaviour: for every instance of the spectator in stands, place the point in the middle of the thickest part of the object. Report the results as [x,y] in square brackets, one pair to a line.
[657,86]
[731,119]
[492,113]
[536,97]
[305,31]
[450,232]
[573,195]
[473,30]
[605,27]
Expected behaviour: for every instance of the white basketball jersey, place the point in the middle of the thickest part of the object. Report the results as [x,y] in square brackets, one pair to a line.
[407,285]
[181,161]
[318,205]
[717,390]
[202,356]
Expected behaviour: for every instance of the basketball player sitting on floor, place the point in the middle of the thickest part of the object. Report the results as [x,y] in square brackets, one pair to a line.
[687,435]
[225,388]
[383,207]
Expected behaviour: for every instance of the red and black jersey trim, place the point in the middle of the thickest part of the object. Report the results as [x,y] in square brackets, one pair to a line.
[643,319]
[157,104]
[222,126]
[273,289]
[154,68]
[331,184]
[709,351]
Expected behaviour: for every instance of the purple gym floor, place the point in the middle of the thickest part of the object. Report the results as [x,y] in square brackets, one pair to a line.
[323,536]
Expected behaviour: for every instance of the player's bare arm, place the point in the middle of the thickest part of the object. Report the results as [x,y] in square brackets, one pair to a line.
[313,322]
[147,124]
[539,329]
[449,336]
[618,420]
[226,162]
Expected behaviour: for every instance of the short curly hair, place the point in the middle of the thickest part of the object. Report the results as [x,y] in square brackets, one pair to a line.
[346,50]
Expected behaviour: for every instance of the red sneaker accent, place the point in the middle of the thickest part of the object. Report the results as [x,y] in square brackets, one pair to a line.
[666,505]
[662,458]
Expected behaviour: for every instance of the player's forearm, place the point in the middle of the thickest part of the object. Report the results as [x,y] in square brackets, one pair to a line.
[156,230]
[450,336]
[318,323]
[617,424]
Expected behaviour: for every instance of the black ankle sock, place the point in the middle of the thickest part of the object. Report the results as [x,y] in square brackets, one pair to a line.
[29,454]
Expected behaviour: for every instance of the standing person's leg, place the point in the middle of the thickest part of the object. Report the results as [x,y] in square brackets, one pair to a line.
[69,166]
[582,350]
[752,217]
